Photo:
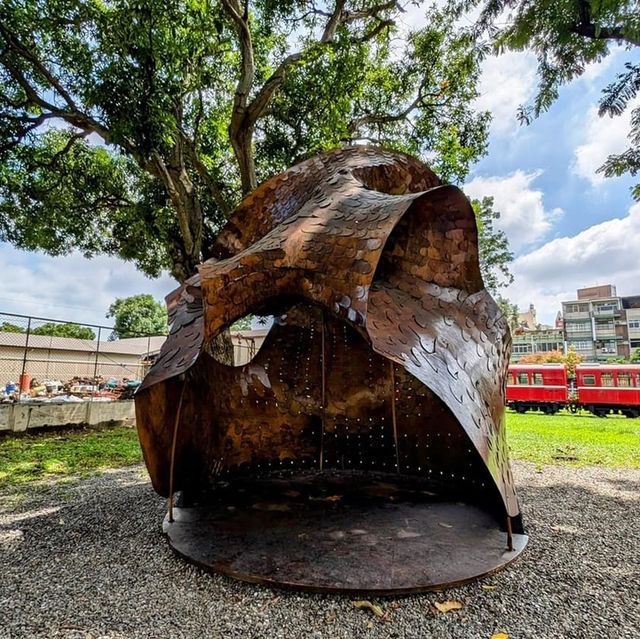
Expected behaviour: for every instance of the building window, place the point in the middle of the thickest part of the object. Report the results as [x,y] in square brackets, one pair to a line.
[589,380]
[605,308]
[537,379]
[606,379]
[609,347]
[523,378]
[521,348]
[578,327]
[577,308]
[635,343]
[624,379]
[634,323]
[583,346]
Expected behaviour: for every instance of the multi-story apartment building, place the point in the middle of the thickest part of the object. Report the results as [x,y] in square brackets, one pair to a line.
[541,340]
[596,324]
[632,307]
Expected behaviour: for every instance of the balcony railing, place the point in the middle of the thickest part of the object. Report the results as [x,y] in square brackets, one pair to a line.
[609,312]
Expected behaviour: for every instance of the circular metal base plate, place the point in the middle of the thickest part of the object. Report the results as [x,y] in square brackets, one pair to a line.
[333,532]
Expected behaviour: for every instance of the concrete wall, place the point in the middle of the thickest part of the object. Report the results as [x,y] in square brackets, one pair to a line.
[22,417]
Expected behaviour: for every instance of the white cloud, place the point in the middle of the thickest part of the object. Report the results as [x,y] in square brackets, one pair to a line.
[507,81]
[600,138]
[606,253]
[523,216]
[70,287]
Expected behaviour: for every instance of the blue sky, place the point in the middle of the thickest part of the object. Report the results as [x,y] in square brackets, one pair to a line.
[568,226]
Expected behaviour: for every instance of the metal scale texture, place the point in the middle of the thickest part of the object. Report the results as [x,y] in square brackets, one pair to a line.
[363,447]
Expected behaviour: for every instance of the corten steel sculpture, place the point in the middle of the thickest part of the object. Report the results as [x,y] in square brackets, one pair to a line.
[363,448]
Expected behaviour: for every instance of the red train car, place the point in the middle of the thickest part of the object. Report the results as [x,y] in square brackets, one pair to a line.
[605,388]
[537,387]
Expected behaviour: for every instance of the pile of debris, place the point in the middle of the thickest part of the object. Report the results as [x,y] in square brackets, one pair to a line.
[77,389]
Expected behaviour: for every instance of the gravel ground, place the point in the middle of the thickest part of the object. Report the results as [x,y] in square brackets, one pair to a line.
[87,559]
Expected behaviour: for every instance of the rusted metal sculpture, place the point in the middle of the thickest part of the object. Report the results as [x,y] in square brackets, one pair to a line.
[363,447]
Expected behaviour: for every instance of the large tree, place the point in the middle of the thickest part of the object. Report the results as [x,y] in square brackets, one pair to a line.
[493,247]
[567,36]
[137,316]
[134,128]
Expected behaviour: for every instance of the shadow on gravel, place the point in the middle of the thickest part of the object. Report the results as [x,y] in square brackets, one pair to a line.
[89,559]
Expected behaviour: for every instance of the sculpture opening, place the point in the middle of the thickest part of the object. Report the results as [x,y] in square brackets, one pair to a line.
[362,448]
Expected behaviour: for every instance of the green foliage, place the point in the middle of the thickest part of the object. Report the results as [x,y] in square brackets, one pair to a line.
[243,324]
[132,129]
[8,327]
[493,247]
[571,359]
[635,356]
[86,199]
[64,330]
[509,310]
[567,36]
[137,316]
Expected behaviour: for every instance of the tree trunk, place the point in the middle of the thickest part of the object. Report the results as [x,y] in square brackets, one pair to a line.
[241,139]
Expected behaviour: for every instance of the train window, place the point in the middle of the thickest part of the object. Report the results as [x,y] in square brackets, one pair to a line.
[512,379]
[638,379]
[606,379]
[537,379]
[624,379]
[589,380]
[523,378]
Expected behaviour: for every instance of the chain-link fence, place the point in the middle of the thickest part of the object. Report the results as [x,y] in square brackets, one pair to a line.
[50,360]
[47,360]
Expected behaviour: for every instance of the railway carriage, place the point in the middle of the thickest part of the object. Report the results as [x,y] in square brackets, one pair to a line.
[605,388]
[537,387]
[599,388]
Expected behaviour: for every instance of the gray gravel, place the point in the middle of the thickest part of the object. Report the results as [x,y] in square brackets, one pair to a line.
[87,559]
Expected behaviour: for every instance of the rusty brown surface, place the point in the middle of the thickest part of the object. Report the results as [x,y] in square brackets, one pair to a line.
[342,532]
[370,267]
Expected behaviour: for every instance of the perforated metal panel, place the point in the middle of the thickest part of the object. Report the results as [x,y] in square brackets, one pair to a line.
[387,355]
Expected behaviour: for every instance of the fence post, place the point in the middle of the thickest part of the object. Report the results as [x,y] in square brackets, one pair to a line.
[95,365]
[145,366]
[24,359]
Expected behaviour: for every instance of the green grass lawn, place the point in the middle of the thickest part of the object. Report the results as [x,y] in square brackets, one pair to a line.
[560,439]
[582,440]
[45,455]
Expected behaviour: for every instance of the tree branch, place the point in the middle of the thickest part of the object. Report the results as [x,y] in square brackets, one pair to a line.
[240,129]
[371,118]
[207,178]
[350,16]
[72,114]
[23,52]
[589,30]
[67,147]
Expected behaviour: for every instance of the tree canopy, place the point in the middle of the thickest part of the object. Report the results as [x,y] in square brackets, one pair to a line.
[567,36]
[67,329]
[571,359]
[493,247]
[8,327]
[137,316]
[509,310]
[133,129]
